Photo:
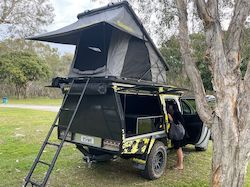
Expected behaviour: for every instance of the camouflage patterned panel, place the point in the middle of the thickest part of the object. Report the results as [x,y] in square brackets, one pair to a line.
[136,146]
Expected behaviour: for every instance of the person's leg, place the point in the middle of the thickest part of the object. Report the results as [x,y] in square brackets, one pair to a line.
[178,148]
[179,159]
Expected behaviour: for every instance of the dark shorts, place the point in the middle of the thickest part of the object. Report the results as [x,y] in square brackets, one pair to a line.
[178,144]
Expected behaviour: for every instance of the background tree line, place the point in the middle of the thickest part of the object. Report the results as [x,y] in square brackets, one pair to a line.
[26,67]
[176,75]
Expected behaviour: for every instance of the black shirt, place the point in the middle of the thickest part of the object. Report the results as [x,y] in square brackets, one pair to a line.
[177,117]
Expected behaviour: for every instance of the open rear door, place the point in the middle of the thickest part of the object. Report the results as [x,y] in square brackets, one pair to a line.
[193,123]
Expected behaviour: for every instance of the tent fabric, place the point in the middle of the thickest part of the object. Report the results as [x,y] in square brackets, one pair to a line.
[116,16]
[137,63]
[117,52]
[111,42]
[157,68]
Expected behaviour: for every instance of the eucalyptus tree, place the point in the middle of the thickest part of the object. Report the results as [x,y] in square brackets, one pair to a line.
[230,120]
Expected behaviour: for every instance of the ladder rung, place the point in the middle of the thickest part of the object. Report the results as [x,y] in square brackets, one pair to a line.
[33,183]
[67,109]
[74,94]
[60,126]
[45,163]
[54,144]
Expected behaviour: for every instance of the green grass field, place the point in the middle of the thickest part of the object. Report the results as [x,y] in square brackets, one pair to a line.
[23,131]
[36,101]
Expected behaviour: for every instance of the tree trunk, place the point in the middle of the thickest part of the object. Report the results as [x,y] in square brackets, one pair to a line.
[25,87]
[229,162]
[18,92]
[230,121]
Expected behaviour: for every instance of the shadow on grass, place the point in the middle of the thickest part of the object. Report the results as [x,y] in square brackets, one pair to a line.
[120,172]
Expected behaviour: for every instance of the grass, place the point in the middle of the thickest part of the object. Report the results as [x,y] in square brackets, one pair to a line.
[23,131]
[36,101]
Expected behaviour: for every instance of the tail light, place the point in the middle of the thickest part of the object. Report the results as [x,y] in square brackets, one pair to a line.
[111,145]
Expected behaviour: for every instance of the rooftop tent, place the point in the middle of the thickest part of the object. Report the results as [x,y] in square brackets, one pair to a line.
[110,41]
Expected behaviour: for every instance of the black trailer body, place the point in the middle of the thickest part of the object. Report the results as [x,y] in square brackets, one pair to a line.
[98,117]
[112,119]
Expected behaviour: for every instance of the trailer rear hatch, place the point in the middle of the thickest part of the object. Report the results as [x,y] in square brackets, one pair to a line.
[98,122]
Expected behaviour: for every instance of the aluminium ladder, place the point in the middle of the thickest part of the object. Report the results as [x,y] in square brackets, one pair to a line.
[59,145]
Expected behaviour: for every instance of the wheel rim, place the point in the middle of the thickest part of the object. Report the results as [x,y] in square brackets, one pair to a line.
[158,162]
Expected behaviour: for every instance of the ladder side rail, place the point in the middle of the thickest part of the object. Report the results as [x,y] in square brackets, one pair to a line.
[45,141]
[64,136]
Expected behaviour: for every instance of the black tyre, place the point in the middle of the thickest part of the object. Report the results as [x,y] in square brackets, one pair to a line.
[156,162]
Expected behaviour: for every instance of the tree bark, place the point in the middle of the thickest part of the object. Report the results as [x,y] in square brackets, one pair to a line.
[18,92]
[230,121]
[192,71]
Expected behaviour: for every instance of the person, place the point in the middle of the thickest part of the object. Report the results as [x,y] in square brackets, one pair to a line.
[175,117]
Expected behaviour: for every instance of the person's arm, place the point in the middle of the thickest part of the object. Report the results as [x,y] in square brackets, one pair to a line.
[170,118]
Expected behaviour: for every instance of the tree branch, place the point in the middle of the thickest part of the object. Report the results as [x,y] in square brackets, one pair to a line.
[241,11]
[7,12]
[4,21]
[215,45]
[203,12]
[193,73]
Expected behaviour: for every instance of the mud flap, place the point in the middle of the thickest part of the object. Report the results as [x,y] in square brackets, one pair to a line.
[140,163]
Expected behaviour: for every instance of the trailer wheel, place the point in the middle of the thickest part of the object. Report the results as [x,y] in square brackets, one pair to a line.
[156,162]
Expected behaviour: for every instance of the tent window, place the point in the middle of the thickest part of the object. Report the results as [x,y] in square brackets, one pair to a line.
[137,63]
[92,49]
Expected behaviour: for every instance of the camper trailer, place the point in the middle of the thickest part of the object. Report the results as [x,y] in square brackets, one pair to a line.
[115,95]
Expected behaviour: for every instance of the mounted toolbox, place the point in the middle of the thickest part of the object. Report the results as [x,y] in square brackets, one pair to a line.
[111,105]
